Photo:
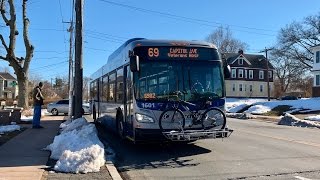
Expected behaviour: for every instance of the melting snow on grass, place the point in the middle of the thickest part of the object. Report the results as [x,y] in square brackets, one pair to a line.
[301,105]
[77,148]
[9,128]
[234,105]
[313,118]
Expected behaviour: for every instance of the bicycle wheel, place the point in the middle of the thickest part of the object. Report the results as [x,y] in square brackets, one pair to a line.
[171,119]
[214,118]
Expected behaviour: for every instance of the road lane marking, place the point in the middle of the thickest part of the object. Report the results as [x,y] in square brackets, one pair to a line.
[283,139]
[302,178]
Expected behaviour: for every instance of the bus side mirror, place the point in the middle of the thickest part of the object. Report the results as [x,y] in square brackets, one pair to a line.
[134,63]
[227,71]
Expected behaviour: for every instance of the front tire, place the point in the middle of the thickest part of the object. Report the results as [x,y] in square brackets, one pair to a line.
[120,127]
[55,112]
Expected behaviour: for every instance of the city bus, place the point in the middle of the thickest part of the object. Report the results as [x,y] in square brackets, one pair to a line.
[148,85]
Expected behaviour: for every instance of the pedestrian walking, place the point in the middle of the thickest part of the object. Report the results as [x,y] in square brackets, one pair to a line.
[37,103]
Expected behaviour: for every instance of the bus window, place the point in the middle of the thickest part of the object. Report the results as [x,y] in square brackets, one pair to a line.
[112,84]
[105,89]
[119,86]
[129,85]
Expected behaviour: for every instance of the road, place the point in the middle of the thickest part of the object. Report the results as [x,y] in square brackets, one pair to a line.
[256,150]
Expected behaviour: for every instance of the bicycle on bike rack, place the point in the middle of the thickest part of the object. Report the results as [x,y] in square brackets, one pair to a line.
[203,122]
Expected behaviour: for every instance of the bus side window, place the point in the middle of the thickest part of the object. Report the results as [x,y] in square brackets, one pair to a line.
[120,86]
[105,89]
[129,85]
[112,83]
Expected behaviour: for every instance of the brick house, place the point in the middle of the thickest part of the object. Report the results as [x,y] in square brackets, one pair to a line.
[8,86]
[316,71]
[249,77]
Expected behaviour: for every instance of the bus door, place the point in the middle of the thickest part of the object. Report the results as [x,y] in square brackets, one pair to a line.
[128,101]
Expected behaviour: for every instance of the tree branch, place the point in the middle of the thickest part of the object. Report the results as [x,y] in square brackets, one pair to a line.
[4,43]
[3,13]
[13,28]
[28,46]
[4,58]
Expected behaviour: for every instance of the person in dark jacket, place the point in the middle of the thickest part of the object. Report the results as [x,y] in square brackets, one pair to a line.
[37,102]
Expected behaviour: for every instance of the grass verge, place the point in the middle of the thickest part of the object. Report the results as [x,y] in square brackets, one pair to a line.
[278,111]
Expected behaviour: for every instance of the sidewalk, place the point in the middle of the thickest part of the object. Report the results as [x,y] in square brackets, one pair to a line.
[22,157]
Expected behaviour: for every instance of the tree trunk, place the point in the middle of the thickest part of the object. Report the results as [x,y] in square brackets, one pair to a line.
[23,97]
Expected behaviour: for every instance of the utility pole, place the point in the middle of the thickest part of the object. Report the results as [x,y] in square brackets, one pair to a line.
[70,88]
[267,61]
[78,61]
[71,76]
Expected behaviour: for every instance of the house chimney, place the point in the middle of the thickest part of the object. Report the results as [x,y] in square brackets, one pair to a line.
[240,51]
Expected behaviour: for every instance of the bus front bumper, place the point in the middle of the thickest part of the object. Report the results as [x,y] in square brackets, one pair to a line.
[187,135]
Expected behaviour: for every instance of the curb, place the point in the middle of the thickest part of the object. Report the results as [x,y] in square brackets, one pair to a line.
[109,158]
[113,171]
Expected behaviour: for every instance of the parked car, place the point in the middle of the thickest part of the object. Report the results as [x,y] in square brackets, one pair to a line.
[62,106]
[289,98]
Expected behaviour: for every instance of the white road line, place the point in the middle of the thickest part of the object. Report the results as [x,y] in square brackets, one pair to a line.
[302,178]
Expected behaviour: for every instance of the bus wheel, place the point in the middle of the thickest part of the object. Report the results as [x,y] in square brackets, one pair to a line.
[94,111]
[120,125]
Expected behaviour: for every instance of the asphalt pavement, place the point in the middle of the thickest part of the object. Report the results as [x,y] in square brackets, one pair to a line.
[255,150]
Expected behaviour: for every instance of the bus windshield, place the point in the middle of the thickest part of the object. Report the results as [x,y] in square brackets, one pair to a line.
[194,80]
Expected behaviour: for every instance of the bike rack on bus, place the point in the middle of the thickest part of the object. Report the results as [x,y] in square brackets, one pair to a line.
[190,135]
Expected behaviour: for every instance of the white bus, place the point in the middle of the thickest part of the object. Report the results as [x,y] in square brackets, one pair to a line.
[162,90]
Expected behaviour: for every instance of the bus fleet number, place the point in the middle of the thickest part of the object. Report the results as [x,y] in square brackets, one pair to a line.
[148,105]
[153,52]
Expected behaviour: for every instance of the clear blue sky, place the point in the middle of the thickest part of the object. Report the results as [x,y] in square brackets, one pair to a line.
[106,26]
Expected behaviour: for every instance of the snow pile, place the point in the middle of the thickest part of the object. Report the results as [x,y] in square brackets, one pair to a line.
[259,109]
[233,105]
[301,105]
[71,125]
[78,148]
[313,118]
[291,120]
[9,128]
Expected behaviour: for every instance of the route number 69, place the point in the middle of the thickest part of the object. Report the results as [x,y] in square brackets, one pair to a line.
[153,52]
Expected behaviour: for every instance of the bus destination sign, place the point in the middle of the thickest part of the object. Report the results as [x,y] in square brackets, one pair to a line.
[176,53]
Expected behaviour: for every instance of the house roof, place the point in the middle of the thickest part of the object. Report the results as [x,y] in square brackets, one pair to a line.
[6,76]
[256,61]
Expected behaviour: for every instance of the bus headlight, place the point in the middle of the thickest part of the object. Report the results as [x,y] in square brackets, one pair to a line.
[144,118]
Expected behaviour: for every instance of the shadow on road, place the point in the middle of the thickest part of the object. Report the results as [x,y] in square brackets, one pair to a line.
[156,155]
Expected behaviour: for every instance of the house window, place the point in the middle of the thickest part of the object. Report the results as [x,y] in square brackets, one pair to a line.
[245,87]
[261,75]
[270,74]
[250,74]
[240,61]
[233,73]
[5,83]
[246,74]
[240,75]
[233,87]
[317,56]
[261,88]
[317,80]
[250,88]
[240,87]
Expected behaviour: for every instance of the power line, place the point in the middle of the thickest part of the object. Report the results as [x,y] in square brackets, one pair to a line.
[50,65]
[192,20]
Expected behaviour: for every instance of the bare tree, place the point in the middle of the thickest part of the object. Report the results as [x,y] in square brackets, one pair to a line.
[85,92]
[286,70]
[297,38]
[225,42]
[20,65]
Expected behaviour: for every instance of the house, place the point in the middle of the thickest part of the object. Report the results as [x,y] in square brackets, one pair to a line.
[249,77]
[316,71]
[8,86]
